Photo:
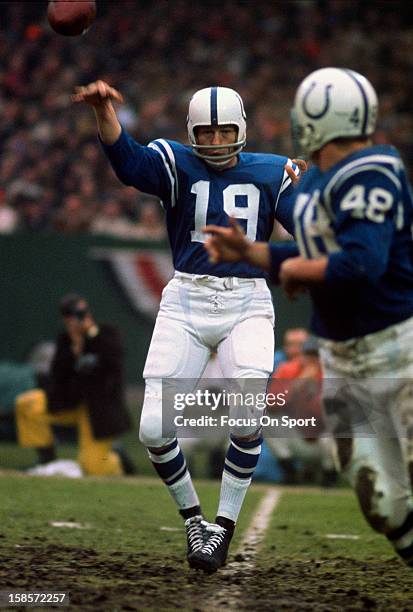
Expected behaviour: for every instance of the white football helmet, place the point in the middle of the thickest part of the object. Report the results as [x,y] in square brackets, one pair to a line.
[217,106]
[332,103]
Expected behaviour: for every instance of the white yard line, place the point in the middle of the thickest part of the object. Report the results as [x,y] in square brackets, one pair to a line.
[230,595]
[255,532]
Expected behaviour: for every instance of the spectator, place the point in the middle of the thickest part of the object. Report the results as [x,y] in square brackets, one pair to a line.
[9,218]
[33,211]
[73,217]
[293,341]
[150,225]
[111,221]
[227,42]
[85,389]
[310,446]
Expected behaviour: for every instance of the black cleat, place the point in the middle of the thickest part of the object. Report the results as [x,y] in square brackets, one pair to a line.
[214,553]
[196,535]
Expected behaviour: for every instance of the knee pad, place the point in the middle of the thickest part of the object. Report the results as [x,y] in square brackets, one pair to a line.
[151,425]
[252,348]
[169,350]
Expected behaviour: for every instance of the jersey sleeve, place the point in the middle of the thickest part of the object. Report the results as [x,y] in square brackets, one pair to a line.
[284,206]
[365,208]
[151,169]
[279,252]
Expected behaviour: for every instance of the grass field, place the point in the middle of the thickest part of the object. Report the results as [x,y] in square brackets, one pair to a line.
[129,552]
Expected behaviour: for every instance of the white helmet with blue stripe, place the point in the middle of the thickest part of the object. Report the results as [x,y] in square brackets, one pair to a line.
[217,106]
[333,103]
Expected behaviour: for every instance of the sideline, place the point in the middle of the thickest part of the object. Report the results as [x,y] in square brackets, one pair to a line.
[230,595]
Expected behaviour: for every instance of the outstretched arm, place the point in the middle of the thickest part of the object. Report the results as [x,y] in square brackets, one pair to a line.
[99,95]
[134,164]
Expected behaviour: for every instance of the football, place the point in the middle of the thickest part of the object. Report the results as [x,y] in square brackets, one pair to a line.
[71,17]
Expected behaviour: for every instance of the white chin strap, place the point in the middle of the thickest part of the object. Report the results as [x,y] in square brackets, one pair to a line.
[218,160]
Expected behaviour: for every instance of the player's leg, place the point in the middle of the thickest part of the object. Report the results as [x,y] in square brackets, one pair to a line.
[376,469]
[402,401]
[378,466]
[174,353]
[373,463]
[247,353]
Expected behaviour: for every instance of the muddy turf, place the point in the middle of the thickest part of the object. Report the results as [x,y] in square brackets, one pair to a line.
[317,555]
[120,581]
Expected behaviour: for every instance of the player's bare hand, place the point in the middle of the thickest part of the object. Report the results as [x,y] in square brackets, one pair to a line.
[97,93]
[226,243]
[302,166]
[288,277]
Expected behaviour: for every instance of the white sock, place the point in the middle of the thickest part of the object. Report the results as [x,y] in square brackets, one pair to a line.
[183,492]
[233,491]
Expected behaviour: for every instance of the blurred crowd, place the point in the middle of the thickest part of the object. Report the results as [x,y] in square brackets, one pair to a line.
[53,177]
[306,452]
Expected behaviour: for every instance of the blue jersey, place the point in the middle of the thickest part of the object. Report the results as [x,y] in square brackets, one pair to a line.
[256,191]
[360,214]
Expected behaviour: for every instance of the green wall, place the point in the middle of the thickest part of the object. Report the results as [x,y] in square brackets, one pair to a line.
[36,270]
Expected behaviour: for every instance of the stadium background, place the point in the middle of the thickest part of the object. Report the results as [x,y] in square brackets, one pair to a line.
[54,181]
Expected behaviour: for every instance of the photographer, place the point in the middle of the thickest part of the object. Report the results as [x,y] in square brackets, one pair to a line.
[85,389]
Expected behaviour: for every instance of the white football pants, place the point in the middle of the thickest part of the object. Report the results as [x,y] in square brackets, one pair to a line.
[368,400]
[199,314]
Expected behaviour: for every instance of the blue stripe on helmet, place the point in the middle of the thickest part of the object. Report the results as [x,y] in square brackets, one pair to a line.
[364,97]
[214,106]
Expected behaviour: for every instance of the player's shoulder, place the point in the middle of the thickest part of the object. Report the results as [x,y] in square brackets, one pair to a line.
[264,159]
[167,147]
[175,155]
[371,163]
[268,166]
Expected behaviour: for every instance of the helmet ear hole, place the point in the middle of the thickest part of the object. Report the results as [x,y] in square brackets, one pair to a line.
[196,132]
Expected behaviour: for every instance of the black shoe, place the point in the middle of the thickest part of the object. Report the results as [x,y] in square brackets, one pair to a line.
[214,553]
[196,535]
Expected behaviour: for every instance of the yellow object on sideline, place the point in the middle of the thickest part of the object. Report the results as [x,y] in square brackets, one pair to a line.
[34,430]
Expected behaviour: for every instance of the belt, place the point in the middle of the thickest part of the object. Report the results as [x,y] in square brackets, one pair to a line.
[216,282]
